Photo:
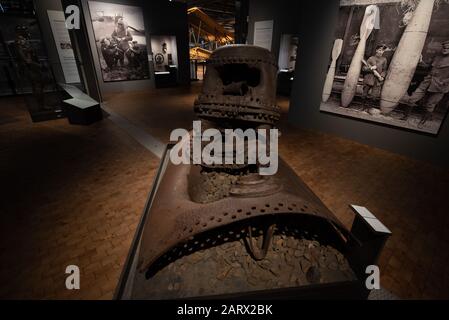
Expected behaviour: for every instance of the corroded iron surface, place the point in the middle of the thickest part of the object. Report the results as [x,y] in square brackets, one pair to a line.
[240,85]
[175,218]
[202,217]
[291,261]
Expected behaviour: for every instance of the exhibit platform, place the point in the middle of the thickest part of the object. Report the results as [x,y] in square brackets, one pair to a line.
[81,109]
[51,109]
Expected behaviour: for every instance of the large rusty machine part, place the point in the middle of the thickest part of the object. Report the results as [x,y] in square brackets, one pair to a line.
[175,219]
[227,223]
[240,84]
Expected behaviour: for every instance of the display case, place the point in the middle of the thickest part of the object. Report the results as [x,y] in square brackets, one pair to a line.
[25,66]
[287,62]
[165,58]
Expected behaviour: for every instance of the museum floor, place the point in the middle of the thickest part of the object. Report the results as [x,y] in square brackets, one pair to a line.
[74,195]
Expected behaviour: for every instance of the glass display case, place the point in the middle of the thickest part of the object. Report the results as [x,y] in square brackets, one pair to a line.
[165,57]
[287,61]
[25,66]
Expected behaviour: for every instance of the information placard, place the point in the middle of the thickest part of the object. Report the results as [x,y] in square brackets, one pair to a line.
[64,46]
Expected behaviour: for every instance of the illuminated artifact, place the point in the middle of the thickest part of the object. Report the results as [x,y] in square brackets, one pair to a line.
[225,228]
[122,36]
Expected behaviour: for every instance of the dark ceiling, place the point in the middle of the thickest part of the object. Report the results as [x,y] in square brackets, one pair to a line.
[222,11]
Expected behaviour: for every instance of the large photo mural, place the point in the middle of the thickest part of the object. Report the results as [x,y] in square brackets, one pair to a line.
[390,63]
[120,41]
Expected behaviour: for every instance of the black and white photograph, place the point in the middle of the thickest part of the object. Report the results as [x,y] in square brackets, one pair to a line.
[390,63]
[120,41]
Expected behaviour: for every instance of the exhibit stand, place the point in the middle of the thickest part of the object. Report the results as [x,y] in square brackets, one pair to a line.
[81,109]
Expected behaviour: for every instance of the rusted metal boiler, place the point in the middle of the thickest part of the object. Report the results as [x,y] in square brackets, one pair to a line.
[225,230]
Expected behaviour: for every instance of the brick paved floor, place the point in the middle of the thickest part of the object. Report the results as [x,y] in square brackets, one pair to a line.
[409,196]
[70,195]
[74,196]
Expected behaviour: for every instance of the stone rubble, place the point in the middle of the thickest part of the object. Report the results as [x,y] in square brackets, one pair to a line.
[228,268]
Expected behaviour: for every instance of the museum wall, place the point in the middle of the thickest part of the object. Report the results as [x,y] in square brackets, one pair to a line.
[260,10]
[318,22]
[41,7]
[160,17]
[315,24]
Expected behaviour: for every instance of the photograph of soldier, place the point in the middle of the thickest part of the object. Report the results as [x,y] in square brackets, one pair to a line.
[433,88]
[122,37]
[135,56]
[121,42]
[108,51]
[382,70]
[375,70]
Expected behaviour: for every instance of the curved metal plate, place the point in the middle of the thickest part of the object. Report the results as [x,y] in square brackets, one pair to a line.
[174,218]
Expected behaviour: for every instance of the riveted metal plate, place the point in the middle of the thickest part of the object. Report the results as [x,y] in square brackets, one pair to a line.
[174,218]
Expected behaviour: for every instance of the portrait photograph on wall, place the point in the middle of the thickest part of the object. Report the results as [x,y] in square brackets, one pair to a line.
[390,63]
[120,41]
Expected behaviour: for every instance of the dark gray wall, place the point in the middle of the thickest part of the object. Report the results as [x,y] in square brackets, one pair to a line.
[41,7]
[160,17]
[315,24]
[276,10]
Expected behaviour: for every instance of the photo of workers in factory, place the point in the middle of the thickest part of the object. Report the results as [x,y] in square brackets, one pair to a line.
[390,64]
[120,40]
